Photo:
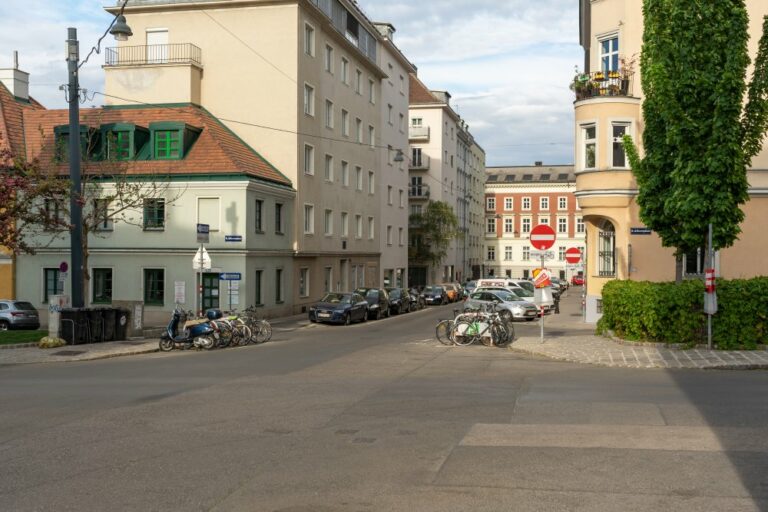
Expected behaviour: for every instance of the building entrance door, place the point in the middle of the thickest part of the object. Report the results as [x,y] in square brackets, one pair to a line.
[210,291]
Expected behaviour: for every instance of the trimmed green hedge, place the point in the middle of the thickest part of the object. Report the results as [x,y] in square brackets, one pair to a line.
[672,313]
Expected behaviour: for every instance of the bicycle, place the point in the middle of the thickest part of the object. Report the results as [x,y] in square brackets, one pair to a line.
[261,330]
[444,332]
[484,325]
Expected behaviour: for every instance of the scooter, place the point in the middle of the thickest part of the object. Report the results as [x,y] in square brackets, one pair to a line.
[196,333]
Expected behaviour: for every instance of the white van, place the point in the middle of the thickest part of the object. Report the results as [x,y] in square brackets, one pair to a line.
[501,282]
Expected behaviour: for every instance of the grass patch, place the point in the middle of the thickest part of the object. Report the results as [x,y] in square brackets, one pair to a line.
[12,337]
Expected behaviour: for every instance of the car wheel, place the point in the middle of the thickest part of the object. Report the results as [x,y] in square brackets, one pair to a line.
[365,316]
[4,325]
[378,314]
[347,319]
[386,314]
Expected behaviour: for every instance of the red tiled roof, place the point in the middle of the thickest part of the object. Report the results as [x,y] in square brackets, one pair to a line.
[419,93]
[12,121]
[216,151]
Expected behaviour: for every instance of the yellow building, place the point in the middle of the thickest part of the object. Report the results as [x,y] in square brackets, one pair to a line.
[609,106]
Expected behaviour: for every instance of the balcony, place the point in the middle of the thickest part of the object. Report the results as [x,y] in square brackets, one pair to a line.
[418,192]
[419,164]
[420,133]
[153,55]
[602,84]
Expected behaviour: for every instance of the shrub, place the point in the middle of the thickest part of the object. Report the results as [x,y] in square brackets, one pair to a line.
[671,313]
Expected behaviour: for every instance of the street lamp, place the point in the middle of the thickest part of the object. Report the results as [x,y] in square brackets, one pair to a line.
[121,31]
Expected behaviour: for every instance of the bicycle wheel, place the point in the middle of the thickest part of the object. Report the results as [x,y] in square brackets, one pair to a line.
[443,332]
[264,333]
[500,335]
[464,333]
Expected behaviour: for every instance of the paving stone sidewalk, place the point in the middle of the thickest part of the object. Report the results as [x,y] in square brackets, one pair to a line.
[85,352]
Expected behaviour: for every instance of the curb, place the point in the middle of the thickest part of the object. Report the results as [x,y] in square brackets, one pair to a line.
[94,358]
[12,346]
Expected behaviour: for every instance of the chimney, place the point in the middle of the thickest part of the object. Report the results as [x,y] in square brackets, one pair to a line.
[538,163]
[387,30]
[15,80]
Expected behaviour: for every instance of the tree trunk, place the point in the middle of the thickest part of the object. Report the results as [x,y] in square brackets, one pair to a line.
[678,269]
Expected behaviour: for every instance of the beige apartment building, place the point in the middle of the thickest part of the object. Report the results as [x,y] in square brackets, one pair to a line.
[618,245]
[447,165]
[299,80]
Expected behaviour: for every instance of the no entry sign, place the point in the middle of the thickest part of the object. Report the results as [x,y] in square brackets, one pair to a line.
[542,237]
[573,255]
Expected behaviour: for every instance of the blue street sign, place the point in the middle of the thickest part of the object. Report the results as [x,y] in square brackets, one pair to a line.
[640,231]
[230,276]
[233,238]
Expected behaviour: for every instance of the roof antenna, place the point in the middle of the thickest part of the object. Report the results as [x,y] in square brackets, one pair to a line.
[15,59]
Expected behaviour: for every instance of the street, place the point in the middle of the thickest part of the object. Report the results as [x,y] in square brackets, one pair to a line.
[379,416]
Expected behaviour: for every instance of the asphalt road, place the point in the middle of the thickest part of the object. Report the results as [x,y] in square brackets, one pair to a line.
[378,416]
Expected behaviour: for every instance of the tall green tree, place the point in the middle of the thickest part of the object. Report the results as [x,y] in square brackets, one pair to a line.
[699,136]
[431,233]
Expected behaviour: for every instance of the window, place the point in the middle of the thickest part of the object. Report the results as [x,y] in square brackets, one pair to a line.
[344,123]
[258,220]
[417,122]
[509,225]
[328,168]
[359,130]
[401,236]
[544,220]
[606,250]
[389,114]
[119,145]
[328,114]
[371,136]
[491,253]
[402,198]
[101,291]
[358,177]
[544,203]
[257,299]
[580,228]
[526,253]
[328,280]
[526,203]
[51,210]
[309,40]
[309,219]
[402,84]
[304,282]
[329,59]
[358,226]
[490,225]
[389,194]
[279,285]
[371,228]
[344,224]
[589,136]
[508,203]
[562,203]
[371,183]
[345,71]
[561,253]
[400,122]
[619,130]
[694,262]
[358,81]
[53,285]
[609,54]
[309,100]
[279,218]
[562,225]
[345,173]
[154,214]
[101,213]
[309,159]
[490,203]
[526,225]
[389,235]
[154,286]
[328,222]
[167,144]
[372,91]
[508,253]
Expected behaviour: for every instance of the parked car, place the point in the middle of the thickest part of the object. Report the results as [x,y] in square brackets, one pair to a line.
[560,283]
[469,287]
[525,295]
[434,295]
[509,305]
[502,282]
[577,280]
[18,314]
[523,283]
[378,302]
[399,301]
[339,308]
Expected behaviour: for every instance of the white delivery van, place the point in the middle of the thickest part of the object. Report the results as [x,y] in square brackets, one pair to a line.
[501,282]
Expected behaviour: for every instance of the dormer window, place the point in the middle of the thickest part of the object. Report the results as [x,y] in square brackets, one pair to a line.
[122,141]
[89,143]
[171,141]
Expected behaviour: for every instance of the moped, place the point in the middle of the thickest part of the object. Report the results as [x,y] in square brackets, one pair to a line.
[195,333]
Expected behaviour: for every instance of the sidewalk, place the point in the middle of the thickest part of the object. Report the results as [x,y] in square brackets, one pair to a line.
[567,338]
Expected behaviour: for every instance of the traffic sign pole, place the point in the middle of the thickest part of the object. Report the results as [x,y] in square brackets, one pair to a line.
[542,238]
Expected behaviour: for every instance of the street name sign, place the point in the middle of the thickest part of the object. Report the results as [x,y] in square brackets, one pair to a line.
[230,276]
[233,238]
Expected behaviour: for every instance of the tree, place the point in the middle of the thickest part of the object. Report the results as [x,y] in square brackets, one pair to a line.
[699,138]
[432,232]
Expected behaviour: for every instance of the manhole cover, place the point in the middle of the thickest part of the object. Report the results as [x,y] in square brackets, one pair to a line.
[68,353]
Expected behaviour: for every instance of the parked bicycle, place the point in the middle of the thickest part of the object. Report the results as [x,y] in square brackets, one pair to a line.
[485,325]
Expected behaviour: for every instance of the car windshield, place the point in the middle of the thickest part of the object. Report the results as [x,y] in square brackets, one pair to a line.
[522,292]
[394,294]
[372,294]
[24,306]
[506,296]
[471,285]
[427,289]
[337,298]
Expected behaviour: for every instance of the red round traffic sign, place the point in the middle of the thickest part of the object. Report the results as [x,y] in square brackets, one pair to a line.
[573,255]
[542,237]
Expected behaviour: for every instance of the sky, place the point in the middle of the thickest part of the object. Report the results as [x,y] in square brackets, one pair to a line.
[507,63]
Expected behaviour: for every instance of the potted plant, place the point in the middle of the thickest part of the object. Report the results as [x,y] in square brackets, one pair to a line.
[627,71]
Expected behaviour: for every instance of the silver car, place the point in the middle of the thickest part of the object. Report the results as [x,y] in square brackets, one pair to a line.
[506,302]
[18,314]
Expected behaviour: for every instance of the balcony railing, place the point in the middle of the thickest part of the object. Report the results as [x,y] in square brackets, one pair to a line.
[420,163]
[150,55]
[603,83]
[418,192]
[418,133]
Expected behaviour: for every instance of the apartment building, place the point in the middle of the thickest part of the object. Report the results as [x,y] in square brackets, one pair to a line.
[301,80]
[393,217]
[447,165]
[519,198]
[609,106]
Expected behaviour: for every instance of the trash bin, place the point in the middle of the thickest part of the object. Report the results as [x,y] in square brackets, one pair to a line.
[108,321]
[95,325]
[73,327]
[122,318]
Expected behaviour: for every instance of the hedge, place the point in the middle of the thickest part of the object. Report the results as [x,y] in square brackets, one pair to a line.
[673,313]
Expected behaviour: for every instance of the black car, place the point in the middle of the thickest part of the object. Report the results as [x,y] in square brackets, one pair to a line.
[399,301]
[434,295]
[339,308]
[378,302]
